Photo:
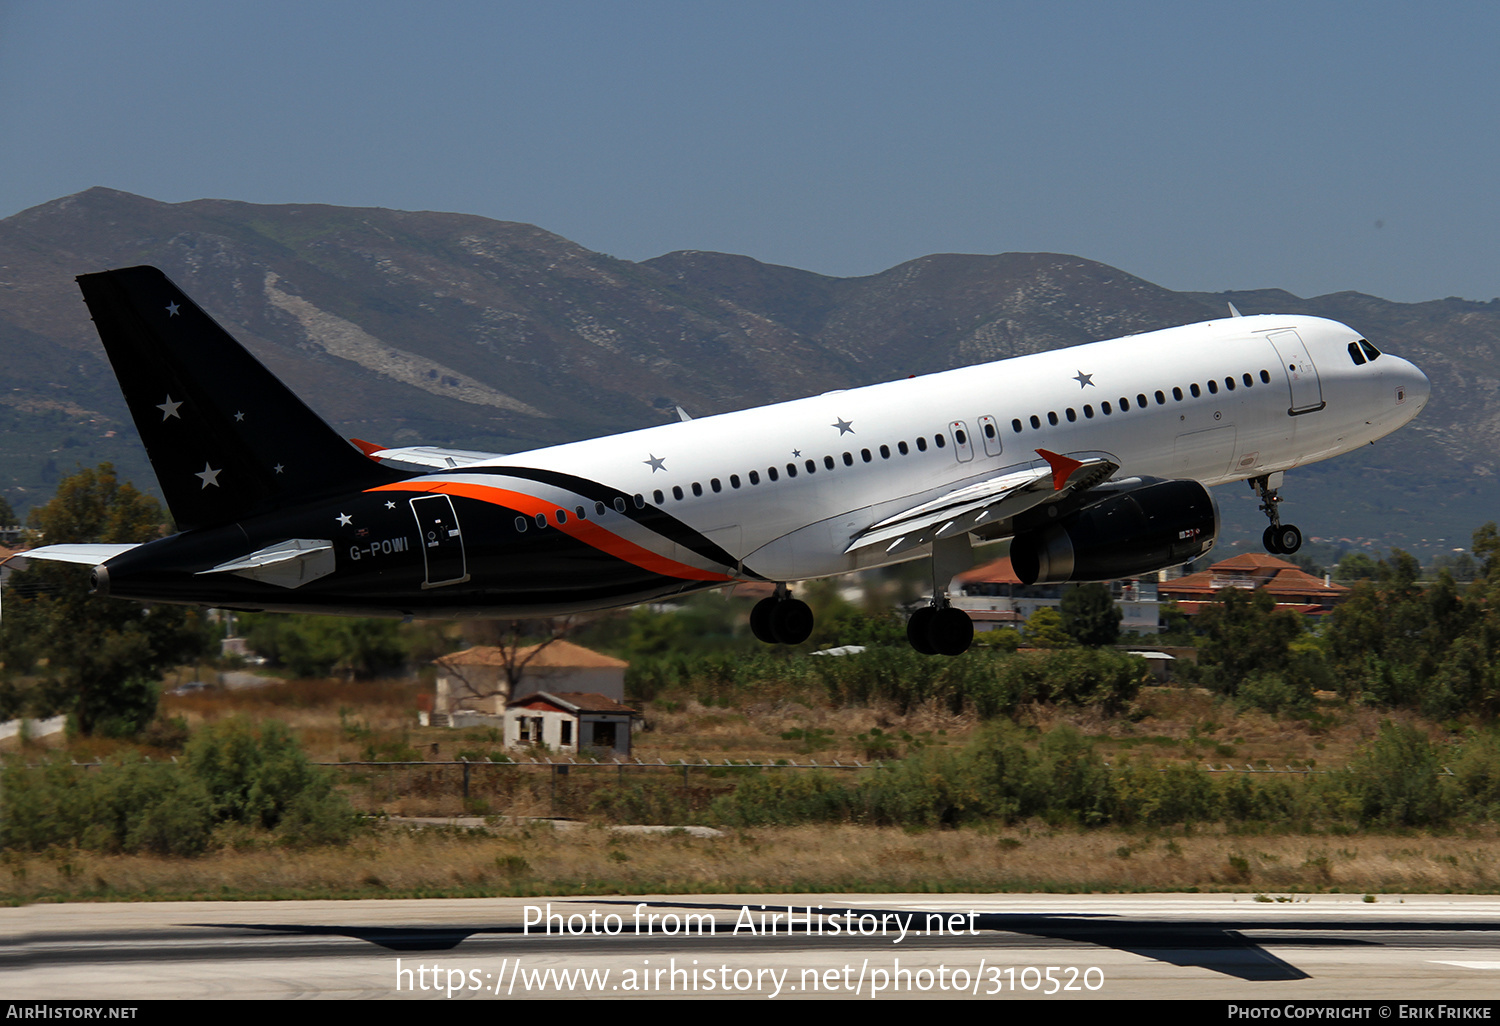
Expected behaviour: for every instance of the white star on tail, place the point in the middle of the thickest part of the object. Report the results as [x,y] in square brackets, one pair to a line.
[171,309]
[169,408]
[209,476]
[344,519]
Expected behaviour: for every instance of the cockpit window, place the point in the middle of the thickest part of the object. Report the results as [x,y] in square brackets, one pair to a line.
[1370,350]
[1355,354]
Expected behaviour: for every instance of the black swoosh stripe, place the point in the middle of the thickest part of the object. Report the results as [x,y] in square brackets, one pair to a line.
[653,518]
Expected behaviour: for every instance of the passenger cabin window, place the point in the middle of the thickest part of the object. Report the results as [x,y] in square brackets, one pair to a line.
[1124,405]
[1193,388]
[791,470]
[1108,409]
[1177,393]
[619,504]
[1016,425]
[541,518]
[1071,414]
[921,444]
[1248,380]
[1213,387]
[1088,412]
[902,449]
[714,484]
[659,497]
[1052,418]
[1265,377]
[677,492]
[755,477]
[938,438]
[1161,400]
[520,523]
[771,473]
[1035,422]
[885,452]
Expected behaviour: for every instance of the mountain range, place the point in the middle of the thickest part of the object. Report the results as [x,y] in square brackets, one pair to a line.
[419,327]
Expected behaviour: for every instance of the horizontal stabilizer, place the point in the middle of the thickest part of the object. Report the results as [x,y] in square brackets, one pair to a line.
[87,554]
[288,564]
[79,552]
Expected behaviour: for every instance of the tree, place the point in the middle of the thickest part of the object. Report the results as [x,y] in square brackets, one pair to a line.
[7,515]
[98,658]
[1044,629]
[315,646]
[1244,633]
[1090,616]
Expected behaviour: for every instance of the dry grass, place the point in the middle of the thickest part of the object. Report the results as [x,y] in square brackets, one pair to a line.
[538,859]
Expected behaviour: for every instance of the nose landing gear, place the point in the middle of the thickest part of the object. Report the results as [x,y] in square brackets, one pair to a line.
[1282,539]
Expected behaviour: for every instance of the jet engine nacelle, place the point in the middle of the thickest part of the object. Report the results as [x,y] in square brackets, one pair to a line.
[1145,529]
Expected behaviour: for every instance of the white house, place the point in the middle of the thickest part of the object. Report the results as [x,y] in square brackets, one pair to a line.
[569,722]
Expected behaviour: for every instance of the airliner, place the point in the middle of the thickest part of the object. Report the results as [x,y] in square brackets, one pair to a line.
[1095,461]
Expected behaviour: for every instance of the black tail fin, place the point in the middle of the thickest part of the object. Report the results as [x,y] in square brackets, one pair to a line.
[226,438]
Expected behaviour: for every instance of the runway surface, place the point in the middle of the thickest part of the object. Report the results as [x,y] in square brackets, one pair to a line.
[1054,947]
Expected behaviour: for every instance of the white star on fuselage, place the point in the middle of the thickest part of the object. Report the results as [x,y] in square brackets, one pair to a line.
[278,468]
[846,427]
[344,519]
[238,416]
[209,476]
[169,408]
[656,462]
[390,505]
[171,309]
[1085,380]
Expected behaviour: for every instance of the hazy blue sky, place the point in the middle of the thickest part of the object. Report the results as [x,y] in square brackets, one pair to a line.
[1309,146]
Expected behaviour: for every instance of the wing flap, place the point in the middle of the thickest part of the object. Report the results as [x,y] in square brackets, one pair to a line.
[426,457]
[968,508]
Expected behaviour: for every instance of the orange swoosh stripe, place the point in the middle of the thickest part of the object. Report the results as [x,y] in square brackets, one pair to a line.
[586,531]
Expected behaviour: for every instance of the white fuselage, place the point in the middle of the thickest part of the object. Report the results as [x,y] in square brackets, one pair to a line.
[1215,402]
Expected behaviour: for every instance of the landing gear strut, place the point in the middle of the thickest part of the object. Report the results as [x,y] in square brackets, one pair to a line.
[938,628]
[781,619]
[1282,539]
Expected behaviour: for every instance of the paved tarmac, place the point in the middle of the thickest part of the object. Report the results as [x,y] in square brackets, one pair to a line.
[966,947]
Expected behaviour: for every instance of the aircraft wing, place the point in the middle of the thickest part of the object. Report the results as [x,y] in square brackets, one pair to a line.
[968,508]
[427,457]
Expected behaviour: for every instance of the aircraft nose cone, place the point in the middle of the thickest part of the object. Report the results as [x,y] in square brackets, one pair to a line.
[1418,388]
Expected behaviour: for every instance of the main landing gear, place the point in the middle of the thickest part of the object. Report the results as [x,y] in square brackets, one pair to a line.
[1282,539]
[781,619]
[938,628]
